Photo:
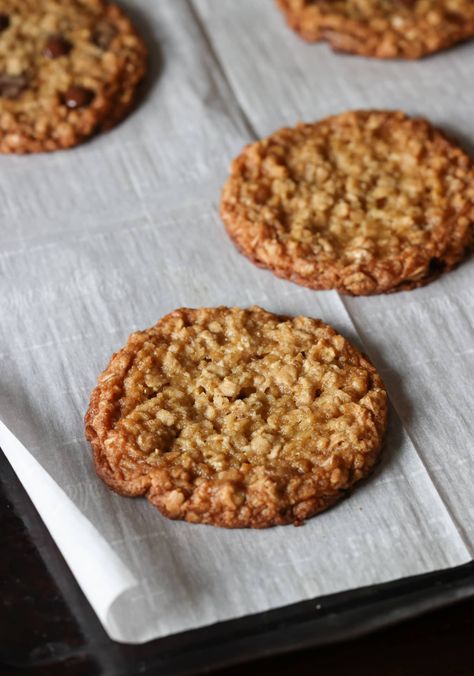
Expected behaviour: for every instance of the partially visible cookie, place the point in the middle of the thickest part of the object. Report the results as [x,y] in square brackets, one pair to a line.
[386,29]
[364,202]
[237,418]
[68,68]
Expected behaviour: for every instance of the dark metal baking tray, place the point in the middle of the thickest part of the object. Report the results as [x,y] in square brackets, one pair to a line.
[47,624]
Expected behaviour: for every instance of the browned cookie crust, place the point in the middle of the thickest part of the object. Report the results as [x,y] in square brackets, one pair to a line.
[237,418]
[68,68]
[386,29]
[364,202]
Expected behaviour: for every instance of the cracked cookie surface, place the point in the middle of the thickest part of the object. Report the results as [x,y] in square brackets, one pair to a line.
[237,418]
[68,68]
[364,202]
[386,29]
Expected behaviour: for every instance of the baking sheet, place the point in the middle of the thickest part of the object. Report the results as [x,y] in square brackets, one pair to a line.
[106,238]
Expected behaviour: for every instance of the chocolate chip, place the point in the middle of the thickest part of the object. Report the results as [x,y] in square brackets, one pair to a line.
[56,46]
[78,97]
[11,86]
[453,17]
[103,34]
[4,22]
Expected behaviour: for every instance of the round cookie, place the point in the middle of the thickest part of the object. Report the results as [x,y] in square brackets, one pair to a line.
[364,202]
[386,29]
[68,68]
[237,418]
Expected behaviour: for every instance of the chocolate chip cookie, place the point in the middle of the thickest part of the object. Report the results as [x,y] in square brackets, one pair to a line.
[386,29]
[68,68]
[237,418]
[364,202]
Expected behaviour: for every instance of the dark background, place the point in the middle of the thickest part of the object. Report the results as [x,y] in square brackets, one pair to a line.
[48,628]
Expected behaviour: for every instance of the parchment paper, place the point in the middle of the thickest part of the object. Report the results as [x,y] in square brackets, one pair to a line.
[104,239]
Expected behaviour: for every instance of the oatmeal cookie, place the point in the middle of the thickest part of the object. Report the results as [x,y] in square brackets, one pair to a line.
[68,68]
[237,418]
[364,202]
[386,29]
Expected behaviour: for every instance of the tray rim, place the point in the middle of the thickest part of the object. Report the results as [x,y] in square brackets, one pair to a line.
[303,625]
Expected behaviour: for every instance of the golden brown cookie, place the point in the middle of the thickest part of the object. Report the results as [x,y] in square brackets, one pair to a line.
[237,418]
[364,202]
[386,29]
[68,68]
